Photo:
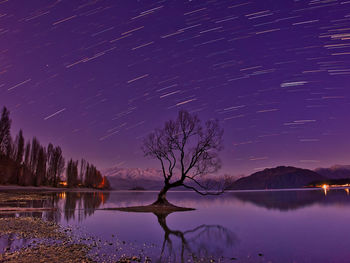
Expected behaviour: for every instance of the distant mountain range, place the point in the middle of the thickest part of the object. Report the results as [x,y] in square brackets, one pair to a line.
[335,172]
[279,177]
[132,178]
[290,177]
[272,178]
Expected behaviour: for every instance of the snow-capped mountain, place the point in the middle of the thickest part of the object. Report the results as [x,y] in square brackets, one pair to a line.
[128,178]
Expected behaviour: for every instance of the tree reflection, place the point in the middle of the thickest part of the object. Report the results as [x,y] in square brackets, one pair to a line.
[28,200]
[69,204]
[202,242]
[83,204]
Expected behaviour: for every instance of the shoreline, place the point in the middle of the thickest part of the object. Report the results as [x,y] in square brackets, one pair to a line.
[65,189]
[48,189]
[43,240]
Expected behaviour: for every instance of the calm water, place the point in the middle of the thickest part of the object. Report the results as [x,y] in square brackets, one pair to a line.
[266,226]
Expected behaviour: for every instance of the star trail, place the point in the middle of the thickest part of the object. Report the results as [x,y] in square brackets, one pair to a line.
[97,76]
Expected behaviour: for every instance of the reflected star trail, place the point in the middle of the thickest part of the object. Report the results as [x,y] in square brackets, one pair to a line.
[96,76]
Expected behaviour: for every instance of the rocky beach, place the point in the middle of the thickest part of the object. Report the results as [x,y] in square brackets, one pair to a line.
[31,238]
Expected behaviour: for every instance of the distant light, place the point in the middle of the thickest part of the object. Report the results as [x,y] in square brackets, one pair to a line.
[63,183]
[325,188]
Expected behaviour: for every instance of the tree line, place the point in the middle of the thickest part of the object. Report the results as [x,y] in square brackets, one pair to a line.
[32,164]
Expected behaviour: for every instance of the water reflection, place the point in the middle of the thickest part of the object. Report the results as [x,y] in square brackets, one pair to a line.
[203,242]
[71,205]
[292,200]
[10,242]
[31,200]
[202,233]
[80,205]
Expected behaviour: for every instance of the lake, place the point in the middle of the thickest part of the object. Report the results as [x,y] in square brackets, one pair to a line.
[258,226]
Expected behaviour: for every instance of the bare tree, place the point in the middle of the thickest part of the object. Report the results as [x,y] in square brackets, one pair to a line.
[5,136]
[60,163]
[34,154]
[72,173]
[187,151]
[33,164]
[19,145]
[40,173]
[82,170]
[27,155]
[55,164]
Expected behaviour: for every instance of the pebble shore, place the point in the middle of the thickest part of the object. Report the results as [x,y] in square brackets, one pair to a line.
[35,239]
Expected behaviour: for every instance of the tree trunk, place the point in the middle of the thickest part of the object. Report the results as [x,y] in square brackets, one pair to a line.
[161,200]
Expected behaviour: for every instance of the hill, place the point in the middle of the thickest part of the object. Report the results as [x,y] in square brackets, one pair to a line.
[272,178]
[277,178]
[335,172]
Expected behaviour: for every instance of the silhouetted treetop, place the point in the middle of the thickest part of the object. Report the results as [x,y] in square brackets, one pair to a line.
[187,150]
[34,164]
[5,136]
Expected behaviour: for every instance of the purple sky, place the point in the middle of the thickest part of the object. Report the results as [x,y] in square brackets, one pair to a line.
[96,76]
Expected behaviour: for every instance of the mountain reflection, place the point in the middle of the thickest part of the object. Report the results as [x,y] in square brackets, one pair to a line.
[204,242]
[292,200]
[80,205]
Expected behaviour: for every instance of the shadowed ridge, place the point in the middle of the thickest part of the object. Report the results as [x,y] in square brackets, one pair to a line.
[277,178]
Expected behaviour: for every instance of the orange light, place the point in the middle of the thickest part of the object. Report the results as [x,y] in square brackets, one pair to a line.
[102,184]
[325,188]
[64,183]
[102,197]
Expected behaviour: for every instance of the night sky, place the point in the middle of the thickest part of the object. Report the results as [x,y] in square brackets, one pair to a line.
[96,76]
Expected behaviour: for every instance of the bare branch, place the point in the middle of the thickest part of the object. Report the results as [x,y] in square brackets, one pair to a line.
[188,149]
[203,193]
